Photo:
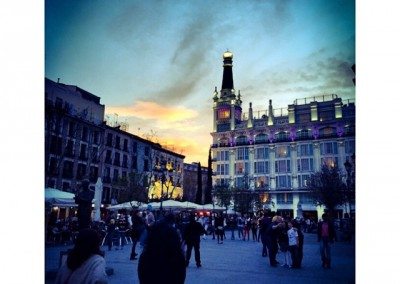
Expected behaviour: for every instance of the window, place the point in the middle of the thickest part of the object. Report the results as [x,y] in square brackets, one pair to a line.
[224,113]
[329,161]
[69,150]
[261,138]
[71,129]
[241,140]
[109,139]
[261,167]
[306,117]
[326,115]
[282,166]
[83,154]
[241,167]
[306,198]
[284,198]
[117,142]
[242,153]
[223,169]
[134,147]
[223,156]
[115,176]
[147,151]
[108,157]
[262,153]
[134,162]
[282,151]
[125,144]
[94,157]
[81,171]
[328,148]
[84,134]
[282,136]
[305,165]
[67,169]
[125,161]
[116,159]
[146,166]
[350,146]
[96,137]
[261,182]
[283,181]
[302,180]
[305,150]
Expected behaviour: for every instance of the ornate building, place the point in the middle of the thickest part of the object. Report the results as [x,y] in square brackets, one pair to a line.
[276,151]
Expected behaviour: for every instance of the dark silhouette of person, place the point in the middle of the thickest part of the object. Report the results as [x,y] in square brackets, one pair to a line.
[84,200]
[162,259]
[85,262]
[192,233]
[326,236]
[138,226]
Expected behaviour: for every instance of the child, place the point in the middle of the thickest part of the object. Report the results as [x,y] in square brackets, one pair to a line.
[293,237]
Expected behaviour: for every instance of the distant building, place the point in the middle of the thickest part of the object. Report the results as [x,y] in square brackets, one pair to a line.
[278,150]
[190,181]
[79,144]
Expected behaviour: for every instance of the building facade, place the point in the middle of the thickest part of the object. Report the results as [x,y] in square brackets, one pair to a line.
[190,181]
[79,144]
[277,150]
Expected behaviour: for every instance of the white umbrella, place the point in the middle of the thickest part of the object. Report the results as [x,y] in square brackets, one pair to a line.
[212,207]
[97,199]
[191,205]
[128,205]
[57,197]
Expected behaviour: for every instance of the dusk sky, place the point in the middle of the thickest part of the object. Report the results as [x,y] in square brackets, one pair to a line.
[156,63]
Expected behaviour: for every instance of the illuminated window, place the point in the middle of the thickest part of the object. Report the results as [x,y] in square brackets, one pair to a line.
[223,114]
[282,151]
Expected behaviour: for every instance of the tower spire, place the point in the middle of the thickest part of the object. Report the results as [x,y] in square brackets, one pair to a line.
[227,79]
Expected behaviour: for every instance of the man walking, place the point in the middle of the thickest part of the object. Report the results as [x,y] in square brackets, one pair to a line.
[192,234]
[326,234]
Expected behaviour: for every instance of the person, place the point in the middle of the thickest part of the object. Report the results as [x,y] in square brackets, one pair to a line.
[162,259]
[219,226]
[137,229]
[122,226]
[326,235]
[253,226]
[232,226]
[191,236]
[265,221]
[240,222]
[85,263]
[283,242]
[112,235]
[297,225]
[272,240]
[84,200]
[246,227]
[293,241]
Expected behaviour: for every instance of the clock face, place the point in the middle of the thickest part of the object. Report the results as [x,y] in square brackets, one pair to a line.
[224,113]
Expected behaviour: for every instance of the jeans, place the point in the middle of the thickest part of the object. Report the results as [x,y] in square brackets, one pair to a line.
[196,246]
[325,250]
[240,232]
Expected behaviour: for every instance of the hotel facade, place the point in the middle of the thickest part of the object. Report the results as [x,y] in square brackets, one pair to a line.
[277,150]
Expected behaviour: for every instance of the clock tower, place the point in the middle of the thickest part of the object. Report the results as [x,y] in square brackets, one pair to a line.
[227,107]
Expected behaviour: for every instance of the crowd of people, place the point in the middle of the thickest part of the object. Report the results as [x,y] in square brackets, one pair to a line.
[173,236]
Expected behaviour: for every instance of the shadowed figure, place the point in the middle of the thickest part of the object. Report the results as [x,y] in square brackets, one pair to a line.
[84,200]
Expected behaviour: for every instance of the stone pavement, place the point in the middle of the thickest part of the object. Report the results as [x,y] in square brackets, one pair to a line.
[236,261]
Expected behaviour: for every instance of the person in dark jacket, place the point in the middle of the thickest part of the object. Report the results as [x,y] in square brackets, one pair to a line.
[162,259]
[272,239]
[326,236]
[298,226]
[137,228]
[193,231]
[265,221]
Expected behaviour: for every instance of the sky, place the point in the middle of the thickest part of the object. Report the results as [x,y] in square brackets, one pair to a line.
[155,64]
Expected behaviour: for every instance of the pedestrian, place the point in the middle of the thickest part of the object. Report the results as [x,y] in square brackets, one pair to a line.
[297,225]
[326,236]
[253,226]
[246,227]
[219,228]
[293,241]
[272,240]
[232,226]
[85,263]
[191,236]
[138,227]
[283,242]
[112,235]
[162,259]
[240,224]
[264,223]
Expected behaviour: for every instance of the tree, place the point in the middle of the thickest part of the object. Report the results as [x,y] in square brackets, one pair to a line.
[199,192]
[208,194]
[134,188]
[327,188]
[243,200]
[223,195]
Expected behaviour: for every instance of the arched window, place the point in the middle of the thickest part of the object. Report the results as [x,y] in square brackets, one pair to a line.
[241,140]
[327,132]
[282,136]
[261,138]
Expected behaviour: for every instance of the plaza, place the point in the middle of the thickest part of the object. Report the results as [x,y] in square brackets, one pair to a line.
[235,261]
